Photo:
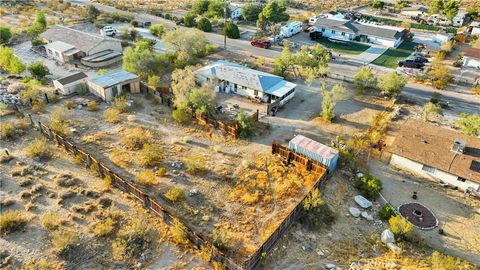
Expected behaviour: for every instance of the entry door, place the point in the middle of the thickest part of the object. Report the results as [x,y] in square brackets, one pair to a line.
[114,91]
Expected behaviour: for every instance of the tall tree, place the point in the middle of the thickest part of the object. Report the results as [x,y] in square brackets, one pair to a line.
[450,9]
[38,70]
[231,30]
[469,124]
[183,81]
[187,44]
[329,100]
[430,109]
[39,24]
[200,6]
[205,25]
[92,13]
[391,84]
[250,11]
[436,6]
[5,34]
[10,62]
[275,12]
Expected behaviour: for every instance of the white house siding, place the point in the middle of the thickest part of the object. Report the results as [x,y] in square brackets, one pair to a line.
[470,62]
[287,98]
[416,168]
[105,45]
[56,54]
[236,13]
[381,41]
[411,13]
[328,33]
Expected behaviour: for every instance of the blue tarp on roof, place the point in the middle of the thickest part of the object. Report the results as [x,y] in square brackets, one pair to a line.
[112,78]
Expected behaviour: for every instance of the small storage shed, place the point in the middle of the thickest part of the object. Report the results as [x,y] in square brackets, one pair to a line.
[112,84]
[315,150]
[71,83]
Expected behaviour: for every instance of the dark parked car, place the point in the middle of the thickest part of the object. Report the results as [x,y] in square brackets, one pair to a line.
[418,59]
[261,43]
[410,64]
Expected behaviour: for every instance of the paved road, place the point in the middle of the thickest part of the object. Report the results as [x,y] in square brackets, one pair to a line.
[457,97]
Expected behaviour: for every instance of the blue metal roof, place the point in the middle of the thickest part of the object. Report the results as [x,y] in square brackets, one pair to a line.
[112,78]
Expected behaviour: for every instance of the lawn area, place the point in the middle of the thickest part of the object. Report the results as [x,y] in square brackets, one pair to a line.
[391,57]
[346,48]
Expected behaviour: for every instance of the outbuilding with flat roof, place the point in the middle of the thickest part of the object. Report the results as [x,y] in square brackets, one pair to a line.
[71,83]
[114,83]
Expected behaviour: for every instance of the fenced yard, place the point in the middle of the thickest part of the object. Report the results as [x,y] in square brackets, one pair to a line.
[392,56]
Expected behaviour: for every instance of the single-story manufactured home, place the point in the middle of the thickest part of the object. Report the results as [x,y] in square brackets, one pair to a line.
[414,11]
[438,154]
[231,77]
[67,45]
[71,83]
[345,30]
[114,83]
[471,57]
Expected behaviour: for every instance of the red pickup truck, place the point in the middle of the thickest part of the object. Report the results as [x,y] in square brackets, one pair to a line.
[261,43]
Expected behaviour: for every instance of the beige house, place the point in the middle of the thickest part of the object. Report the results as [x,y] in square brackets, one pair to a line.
[66,45]
[114,83]
[438,154]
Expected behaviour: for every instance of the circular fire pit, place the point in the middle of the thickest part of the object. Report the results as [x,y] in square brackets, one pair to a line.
[419,215]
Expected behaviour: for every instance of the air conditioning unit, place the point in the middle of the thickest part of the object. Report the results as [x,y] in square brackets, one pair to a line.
[459,146]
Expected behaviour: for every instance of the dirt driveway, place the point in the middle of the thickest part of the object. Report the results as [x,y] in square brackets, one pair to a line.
[455,213]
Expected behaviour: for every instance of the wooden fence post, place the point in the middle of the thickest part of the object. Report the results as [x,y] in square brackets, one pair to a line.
[31,120]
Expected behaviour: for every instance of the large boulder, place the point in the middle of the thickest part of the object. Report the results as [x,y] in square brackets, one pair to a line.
[364,203]
[387,236]
[354,211]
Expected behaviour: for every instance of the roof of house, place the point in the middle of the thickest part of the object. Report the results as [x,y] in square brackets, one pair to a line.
[416,8]
[471,52]
[314,146]
[250,78]
[431,145]
[72,78]
[59,46]
[113,78]
[358,28]
[81,40]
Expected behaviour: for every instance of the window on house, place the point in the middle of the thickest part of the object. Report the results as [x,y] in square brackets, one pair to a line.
[333,31]
[461,179]
[323,29]
[429,169]
[343,33]
[255,93]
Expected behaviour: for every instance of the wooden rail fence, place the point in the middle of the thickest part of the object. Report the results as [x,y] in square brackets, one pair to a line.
[197,239]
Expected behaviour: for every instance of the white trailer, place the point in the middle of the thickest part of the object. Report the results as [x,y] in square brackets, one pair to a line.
[291,29]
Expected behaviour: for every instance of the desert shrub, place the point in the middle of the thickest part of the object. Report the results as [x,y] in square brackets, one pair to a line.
[181,115]
[179,233]
[386,212]
[317,213]
[108,181]
[10,129]
[12,221]
[223,239]
[43,264]
[132,240]
[135,138]
[441,261]
[400,227]
[175,194]
[50,221]
[206,253]
[161,171]
[112,115]
[37,149]
[147,178]
[150,155]
[38,106]
[70,105]
[120,103]
[92,106]
[104,227]
[64,239]
[58,122]
[196,163]
[369,186]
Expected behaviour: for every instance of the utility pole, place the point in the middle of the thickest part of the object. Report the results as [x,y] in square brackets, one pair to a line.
[225,24]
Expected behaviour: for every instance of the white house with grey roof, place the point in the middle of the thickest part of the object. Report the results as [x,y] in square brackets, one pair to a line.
[234,78]
[344,30]
[67,45]
[114,83]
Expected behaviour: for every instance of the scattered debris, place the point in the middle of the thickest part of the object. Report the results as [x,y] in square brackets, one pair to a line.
[367,216]
[354,211]
[364,203]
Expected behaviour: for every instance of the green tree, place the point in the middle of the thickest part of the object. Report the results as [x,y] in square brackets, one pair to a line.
[188,45]
[316,212]
[450,9]
[364,80]
[378,4]
[154,81]
[370,186]
[436,6]
[205,25]
[158,30]
[284,61]
[92,13]
[182,114]
[216,8]
[5,34]
[183,81]
[245,124]
[202,99]
[440,74]
[200,6]
[250,11]
[10,62]
[329,100]
[39,24]
[391,84]
[431,109]
[38,70]
[189,20]
[275,12]
[469,124]
[231,30]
